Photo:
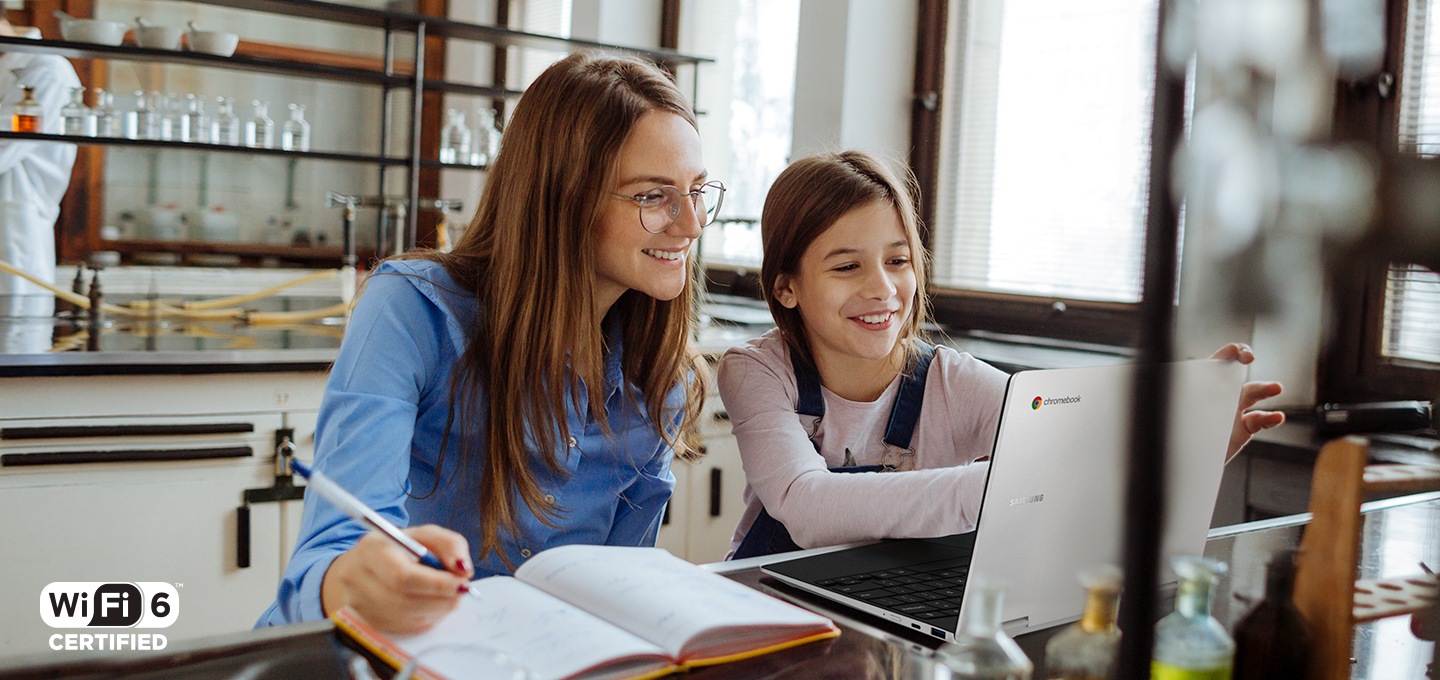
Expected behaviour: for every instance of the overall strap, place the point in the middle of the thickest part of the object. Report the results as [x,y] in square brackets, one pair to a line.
[904,414]
[906,411]
[807,381]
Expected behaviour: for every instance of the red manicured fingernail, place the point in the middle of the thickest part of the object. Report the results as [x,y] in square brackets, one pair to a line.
[460,564]
[463,589]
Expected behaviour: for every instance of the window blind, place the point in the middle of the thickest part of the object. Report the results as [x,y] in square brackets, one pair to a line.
[547,17]
[1045,148]
[1411,328]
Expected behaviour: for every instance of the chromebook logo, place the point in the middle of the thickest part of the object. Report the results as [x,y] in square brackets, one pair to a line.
[1052,401]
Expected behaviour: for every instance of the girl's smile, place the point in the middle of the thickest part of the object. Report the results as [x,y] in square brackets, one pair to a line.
[855,289]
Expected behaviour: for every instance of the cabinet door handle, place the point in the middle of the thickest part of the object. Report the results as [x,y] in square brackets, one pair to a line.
[715,492]
[121,456]
[242,537]
[81,431]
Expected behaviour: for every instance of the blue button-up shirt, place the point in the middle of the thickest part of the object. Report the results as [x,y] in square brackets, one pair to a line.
[383,417]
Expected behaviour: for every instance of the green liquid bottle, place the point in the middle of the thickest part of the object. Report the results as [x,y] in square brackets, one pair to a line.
[1189,643]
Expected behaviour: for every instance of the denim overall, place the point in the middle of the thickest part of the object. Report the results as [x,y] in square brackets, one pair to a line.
[767,535]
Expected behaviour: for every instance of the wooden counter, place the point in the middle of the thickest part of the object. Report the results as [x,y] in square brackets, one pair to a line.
[1398,533]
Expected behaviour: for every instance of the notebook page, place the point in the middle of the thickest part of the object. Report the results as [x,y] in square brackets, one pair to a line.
[665,599]
[547,637]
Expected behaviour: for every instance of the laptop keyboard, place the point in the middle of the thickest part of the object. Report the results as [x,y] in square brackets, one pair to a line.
[930,592]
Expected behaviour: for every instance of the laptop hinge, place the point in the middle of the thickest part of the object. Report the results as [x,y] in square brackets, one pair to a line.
[1016,624]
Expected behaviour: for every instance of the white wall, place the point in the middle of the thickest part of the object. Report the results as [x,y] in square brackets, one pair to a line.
[854,77]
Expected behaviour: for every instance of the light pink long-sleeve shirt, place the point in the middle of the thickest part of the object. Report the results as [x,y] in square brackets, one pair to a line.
[938,493]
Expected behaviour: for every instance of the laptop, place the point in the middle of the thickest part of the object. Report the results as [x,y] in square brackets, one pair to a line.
[1053,503]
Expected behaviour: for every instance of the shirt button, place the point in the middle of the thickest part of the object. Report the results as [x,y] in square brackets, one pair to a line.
[572,442]
[525,553]
[549,498]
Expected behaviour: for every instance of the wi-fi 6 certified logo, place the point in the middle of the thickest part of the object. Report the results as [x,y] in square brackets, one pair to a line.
[1035,404]
[146,604]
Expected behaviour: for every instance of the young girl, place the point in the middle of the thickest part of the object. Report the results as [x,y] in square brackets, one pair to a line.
[846,376]
[527,389]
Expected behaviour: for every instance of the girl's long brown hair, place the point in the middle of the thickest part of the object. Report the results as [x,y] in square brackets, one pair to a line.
[806,199]
[529,259]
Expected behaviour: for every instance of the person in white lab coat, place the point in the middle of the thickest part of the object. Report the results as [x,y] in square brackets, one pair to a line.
[33,175]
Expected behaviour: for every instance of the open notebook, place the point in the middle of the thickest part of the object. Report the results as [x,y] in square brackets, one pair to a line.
[599,612]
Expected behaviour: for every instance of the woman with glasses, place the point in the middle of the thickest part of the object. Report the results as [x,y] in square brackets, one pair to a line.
[528,389]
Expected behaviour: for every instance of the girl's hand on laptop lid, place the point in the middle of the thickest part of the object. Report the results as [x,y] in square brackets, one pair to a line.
[1248,420]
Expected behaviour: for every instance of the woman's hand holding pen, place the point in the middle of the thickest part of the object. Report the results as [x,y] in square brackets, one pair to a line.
[392,591]
[1249,422]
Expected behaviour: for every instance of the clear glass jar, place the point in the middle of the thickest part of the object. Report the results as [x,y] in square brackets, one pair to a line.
[295,133]
[260,130]
[27,116]
[225,129]
[172,119]
[982,650]
[76,118]
[197,124]
[486,141]
[1189,643]
[108,122]
[144,121]
[454,138]
[1086,649]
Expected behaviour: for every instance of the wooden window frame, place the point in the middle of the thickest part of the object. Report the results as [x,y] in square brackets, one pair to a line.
[1351,366]
[1081,321]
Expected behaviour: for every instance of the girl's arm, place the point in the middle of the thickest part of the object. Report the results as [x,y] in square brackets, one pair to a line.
[823,508]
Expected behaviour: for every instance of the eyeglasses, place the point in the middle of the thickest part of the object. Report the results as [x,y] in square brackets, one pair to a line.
[659,207]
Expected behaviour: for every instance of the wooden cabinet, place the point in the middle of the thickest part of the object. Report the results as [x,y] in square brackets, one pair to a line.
[142,479]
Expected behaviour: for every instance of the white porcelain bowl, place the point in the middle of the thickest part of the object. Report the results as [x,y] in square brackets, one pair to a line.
[213,42]
[158,37]
[97,31]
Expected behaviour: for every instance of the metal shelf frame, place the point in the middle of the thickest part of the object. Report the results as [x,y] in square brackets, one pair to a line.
[387,79]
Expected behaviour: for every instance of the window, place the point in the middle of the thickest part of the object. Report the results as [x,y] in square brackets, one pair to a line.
[546,17]
[1411,320]
[1045,148]
[747,104]
[1041,182]
[1387,344]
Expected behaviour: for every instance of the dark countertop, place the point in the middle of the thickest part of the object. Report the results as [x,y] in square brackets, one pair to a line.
[1397,534]
[198,362]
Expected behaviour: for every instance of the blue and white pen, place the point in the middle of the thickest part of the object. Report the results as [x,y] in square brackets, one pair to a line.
[340,498]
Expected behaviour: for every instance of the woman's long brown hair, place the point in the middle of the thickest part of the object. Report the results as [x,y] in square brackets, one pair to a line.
[529,259]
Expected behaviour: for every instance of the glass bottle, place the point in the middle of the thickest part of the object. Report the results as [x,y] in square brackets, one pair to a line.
[454,138]
[486,141]
[295,133]
[76,118]
[225,128]
[144,121]
[260,130]
[1271,640]
[1086,649]
[171,120]
[1189,643]
[981,650]
[28,116]
[108,122]
[197,124]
